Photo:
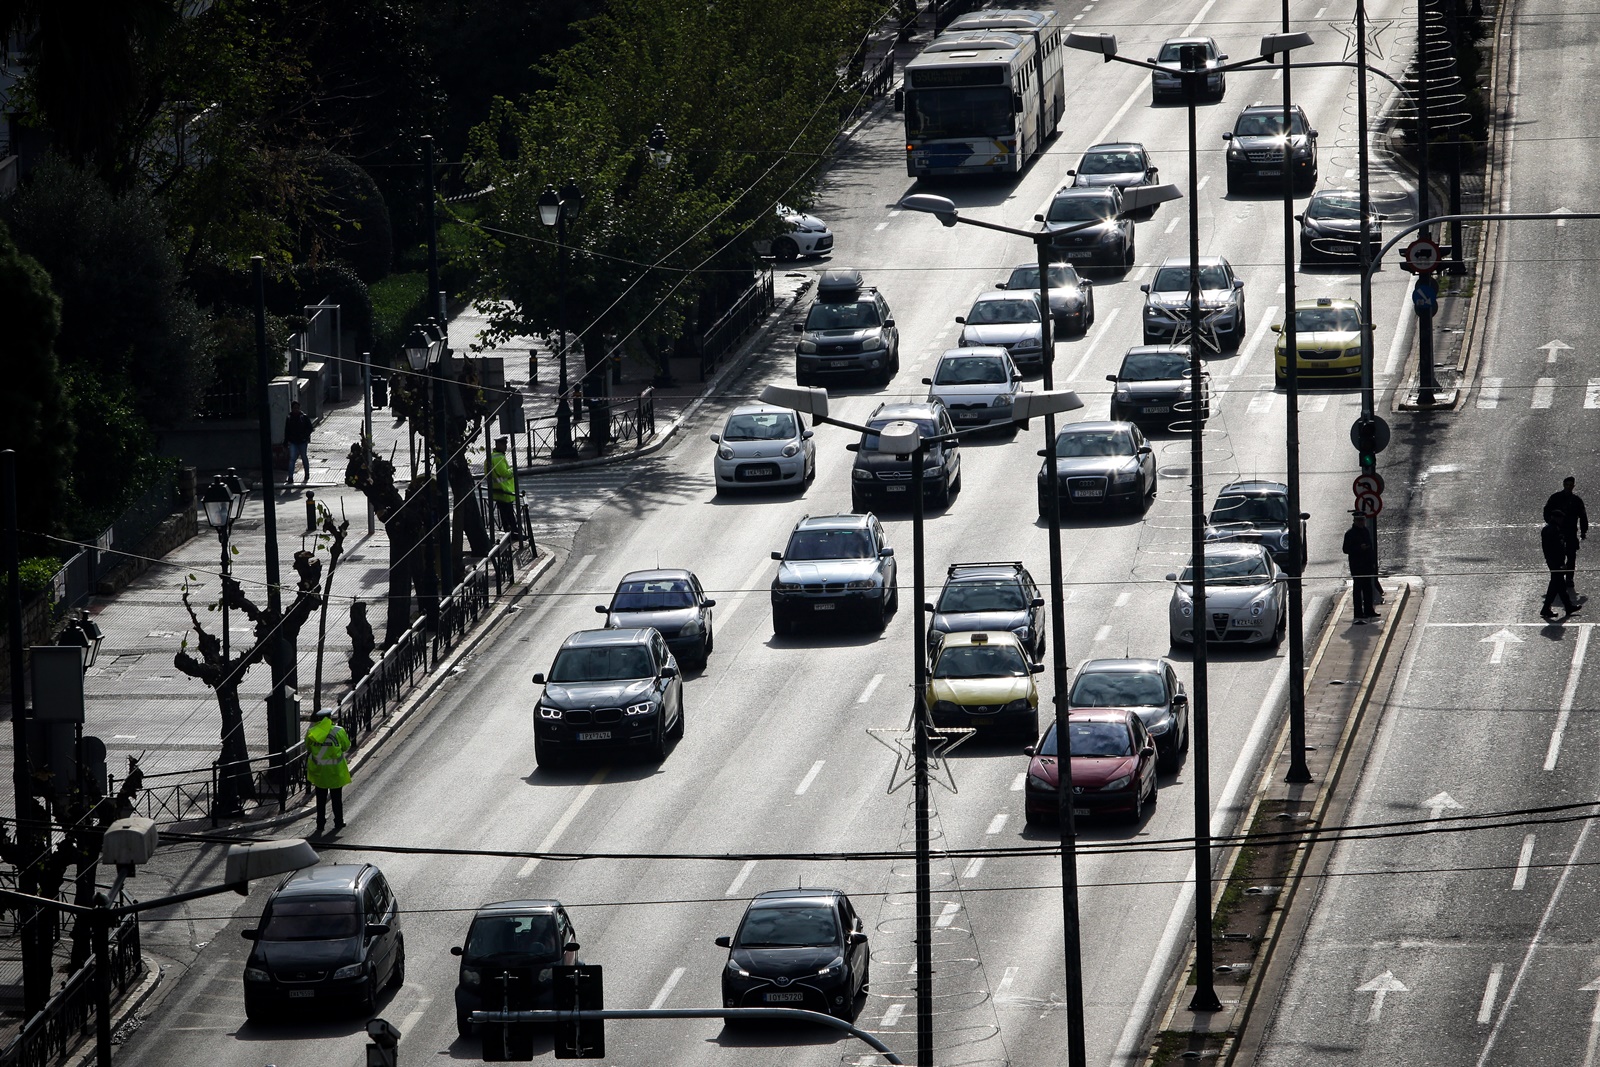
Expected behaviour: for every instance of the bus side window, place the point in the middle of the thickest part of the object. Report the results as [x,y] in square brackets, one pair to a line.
[1016,103]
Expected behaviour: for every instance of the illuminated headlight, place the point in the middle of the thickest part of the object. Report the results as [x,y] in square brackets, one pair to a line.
[548,712]
[861,476]
[1124,395]
[470,976]
[790,449]
[738,970]
[643,708]
[1117,783]
[808,348]
[865,583]
[873,344]
[256,974]
[1151,311]
[1018,706]
[349,971]
[833,969]
[724,452]
[946,707]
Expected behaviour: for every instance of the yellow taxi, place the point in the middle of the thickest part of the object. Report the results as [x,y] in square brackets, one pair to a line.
[1328,337]
[984,679]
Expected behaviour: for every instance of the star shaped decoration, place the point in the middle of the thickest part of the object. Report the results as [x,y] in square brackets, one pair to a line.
[941,742]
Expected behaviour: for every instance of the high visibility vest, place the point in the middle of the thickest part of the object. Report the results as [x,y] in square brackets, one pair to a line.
[326,745]
[502,483]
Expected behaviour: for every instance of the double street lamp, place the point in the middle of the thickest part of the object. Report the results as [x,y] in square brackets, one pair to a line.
[224,502]
[424,350]
[557,208]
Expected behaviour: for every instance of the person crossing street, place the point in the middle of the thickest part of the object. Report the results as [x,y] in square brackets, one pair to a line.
[1572,519]
[1558,555]
[326,767]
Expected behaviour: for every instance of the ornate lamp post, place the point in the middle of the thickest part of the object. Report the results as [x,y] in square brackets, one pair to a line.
[557,209]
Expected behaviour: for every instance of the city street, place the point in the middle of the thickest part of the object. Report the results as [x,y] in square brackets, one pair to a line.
[777,756]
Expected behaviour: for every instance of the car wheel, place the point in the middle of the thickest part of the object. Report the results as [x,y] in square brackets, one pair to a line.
[367,999]
[657,750]
[1128,256]
[1044,508]
[1171,759]
[257,1009]
[941,496]
[894,598]
[1089,314]
[780,624]
[811,471]
[1116,413]
[1234,184]
[1237,340]
[1135,815]
[1183,746]
[1034,818]
[955,486]
[784,250]
[858,505]
[708,647]
[397,974]
[1280,630]
[866,976]
[1280,379]
[544,754]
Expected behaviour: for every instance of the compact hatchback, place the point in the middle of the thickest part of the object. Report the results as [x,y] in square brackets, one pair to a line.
[608,691]
[762,446]
[1255,510]
[513,938]
[849,331]
[804,236]
[797,948]
[1113,767]
[834,565]
[1259,150]
[1245,599]
[672,603]
[1088,227]
[1330,227]
[328,933]
[1155,384]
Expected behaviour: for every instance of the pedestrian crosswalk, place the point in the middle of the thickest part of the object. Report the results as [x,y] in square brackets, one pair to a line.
[1542,395]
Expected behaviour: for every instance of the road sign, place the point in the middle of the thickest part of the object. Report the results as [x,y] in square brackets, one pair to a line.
[1425,295]
[1370,482]
[1369,504]
[1379,433]
[1422,254]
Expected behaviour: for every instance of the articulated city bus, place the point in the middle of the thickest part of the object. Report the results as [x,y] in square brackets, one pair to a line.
[985,95]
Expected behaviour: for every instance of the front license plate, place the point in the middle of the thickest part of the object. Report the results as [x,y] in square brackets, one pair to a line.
[1272,172]
[894,489]
[779,998]
[1082,813]
[1079,255]
[295,994]
[1088,494]
[595,735]
[760,472]
[838,362]
[1155,410]
[823,607]
[982,722]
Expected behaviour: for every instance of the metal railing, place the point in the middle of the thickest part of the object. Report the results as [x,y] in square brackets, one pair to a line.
[628,419]
[47,1038]
[723,335]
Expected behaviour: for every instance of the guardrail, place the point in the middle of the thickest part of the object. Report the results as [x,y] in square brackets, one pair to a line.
[628,418]
[56,1029]
[748,310]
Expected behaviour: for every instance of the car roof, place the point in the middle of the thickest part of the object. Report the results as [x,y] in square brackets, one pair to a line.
[1253,486]
[1000,569]
[1183,261]
[921,410]
[760,409]
[975,350]
[1034,265]
[1094,425]
[1326,302]
[595,638]
[1101,715]
[1085,191]
[645,576]
[1151,350]
[1188,40]
[1256,109]
[519,907]
[1126,665]
[832,522]
[1234,549]
[323,879]
[1007,294]
[982,637]
[801,894]
[1115,146]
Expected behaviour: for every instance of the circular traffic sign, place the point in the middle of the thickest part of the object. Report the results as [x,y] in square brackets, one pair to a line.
[1370,482]
[1369,504]
[1422,254]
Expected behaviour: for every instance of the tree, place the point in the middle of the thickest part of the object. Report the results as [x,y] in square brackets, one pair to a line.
[32,391]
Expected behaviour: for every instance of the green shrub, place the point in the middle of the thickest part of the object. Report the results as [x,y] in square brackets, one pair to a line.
[398,303]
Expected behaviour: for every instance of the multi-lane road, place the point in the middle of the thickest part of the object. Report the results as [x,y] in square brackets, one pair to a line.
[777,756]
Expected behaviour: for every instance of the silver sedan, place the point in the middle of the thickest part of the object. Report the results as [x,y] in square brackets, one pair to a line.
[1245,599]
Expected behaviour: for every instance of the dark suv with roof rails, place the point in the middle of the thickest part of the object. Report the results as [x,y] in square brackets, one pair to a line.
[990,596]
[608,690]
[849,331]
[1257,148]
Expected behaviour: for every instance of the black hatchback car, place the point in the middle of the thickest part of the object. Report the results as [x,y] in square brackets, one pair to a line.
[523,938]
[882,479]
[328,933]
[797,948]
[608,690]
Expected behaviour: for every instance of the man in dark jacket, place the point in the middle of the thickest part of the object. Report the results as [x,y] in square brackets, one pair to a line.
[297,434]
[1363,556]
[1557,556]
[1571,519]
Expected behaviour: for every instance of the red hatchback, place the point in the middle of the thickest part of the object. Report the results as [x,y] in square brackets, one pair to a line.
[1113,767]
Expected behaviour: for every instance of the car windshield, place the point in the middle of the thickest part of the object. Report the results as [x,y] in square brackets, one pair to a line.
[655,594]
[513,935]
[1081,209]
[1266,124]
[1251,507]
[603,663]
[1154,366]
[1232,570]
[776,426]
[981,596]
[793,926]
[853,316]
[971,370]
[1172,52]
[1110,163]
[1334,207]
[1176,279]
[1094,739]
[829,544]
[321,919]
[992,311]
[1327,320]
[981,661]
[1062,276]
[869,441]
[1074,445]
[1117,689]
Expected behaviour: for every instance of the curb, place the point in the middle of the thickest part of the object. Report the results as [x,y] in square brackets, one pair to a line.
[122,1010]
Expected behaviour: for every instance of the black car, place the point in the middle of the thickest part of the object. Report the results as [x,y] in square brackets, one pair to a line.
[1154,385]
[990,596]
[670,601]
[1089,228]
[1257,511]
[521,939]
[1100,464]
[797,948]
[1257,147]
[849,331]
[1330,227]
[883,478]
[1149,687]
[608,690]
[328,933]
[835,565]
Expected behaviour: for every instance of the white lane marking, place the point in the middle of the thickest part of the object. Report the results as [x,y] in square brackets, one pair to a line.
[746,591]
[1282,288]
[872,687]
[880,226]
[1544,393]
[1524,861]
[1101,330]
[1173,225]
[973,867]
[667,987]
[948,915]
[1261,403]
[892,1016]
[1490,989]
[1103,633]
[1019,782]
[1201,184]
[1262,329]
[1594,1023]
[738,879]
[1568,695]
[811,776]
[565,821]
[1489,395]
[1003,990]
[411,1020]
[1538,937]
[1398,345]
[1318,15]
[1591,395]
[573,575]
[1314,403]
[1123,598]
[997,823]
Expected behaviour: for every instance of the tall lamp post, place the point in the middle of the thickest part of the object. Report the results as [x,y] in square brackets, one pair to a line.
[1195,72]
[224,502]
[905,439]
[422,349]
[557,209]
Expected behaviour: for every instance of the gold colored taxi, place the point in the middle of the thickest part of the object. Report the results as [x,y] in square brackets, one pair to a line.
[1327,336]
[984,679]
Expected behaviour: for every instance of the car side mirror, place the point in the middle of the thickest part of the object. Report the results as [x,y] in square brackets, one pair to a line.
[1041,453]
[1037,602]
[1172,576]
[853,446]
[886,552]
[724,941]
[888,324]
[1038,218]
[1276,327]
[1145,450]
[1305,514]
[708,603]
[538,679]
[1180,698]
[1312,134]
[1111,377]
[1144,288]
[778,556]
[858,938]
[377,929]
[1028,751]
[250,935]
[999,285]
[1238,283]
[716,438]
[1222,59]
[457,950]
[571,946]
[1149,748]
[1072,173]
[602,609]
[927,381]
[1227,137]
[806,435]
[799,327]
[669,672]
[962,319]
[1300,217]
[1036,668]
[1016,376]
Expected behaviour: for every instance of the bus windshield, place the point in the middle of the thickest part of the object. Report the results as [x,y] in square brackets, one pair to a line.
[967,111]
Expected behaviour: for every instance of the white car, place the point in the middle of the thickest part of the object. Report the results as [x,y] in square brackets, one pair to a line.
[1245,598]
[977,385]
[1003,319]
[761,445]
[807,238]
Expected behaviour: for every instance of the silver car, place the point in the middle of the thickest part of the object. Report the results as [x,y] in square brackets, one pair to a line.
[761,445]
[834,566]
[1071,295]
[1167,83]
[1166,304]
[1124,164]
[977,385]
[1245,600]
[1002,319]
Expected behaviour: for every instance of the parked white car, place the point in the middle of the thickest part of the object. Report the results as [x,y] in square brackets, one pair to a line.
[808,237]
[977,385]
[761,445]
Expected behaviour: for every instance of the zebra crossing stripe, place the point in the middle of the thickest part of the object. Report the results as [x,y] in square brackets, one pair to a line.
[1489,395]
[1544,393]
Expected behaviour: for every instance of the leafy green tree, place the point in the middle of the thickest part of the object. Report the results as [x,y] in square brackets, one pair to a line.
[32,394]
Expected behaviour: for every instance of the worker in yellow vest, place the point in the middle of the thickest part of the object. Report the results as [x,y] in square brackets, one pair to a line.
[503,486]
[326,768]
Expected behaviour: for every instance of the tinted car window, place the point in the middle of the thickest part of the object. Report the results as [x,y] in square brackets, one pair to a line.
[659,594]
[520,935]
[843,316]
[980,661]
[971,370]
[1154,366]
[605,664]
[1334,207]
[1094,443]
[1080,209]
[1172,53]
[1100,739]
[981,596]
[773,427]
[1267,509]
[1176,279]
[1267,125]
[790,926]
[829,544]
[1110,163]
[869,442]
[312,920]
[1246,569]
[1118,690]
[1322,320]
[1003,311]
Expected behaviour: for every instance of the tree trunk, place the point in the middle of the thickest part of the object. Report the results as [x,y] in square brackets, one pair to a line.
[469,519]
[235,783]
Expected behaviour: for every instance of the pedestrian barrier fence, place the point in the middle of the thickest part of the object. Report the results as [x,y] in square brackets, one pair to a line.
[723,335]
[49,1035]
[631,419]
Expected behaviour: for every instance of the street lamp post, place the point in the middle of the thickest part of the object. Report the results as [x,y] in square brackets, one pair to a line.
[224,502]
[557,209]
[1195,72]
[422,353]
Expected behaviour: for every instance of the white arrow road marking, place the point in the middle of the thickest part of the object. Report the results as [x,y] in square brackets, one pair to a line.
[1489,394]
[1490,988]
[1381,987]
[1439,803]
[1524,861]
[1544,393]
[1550,348]
[738,879]
[565,821]
[1591,394]
[1594,1023]
[666,989]
[1568,695]
[1499,639]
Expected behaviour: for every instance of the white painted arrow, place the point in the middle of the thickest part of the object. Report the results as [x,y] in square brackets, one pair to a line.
[1381,987]
[1552,347]
[1499,639]
[1561,211]
[1594,1023]
[1439,803]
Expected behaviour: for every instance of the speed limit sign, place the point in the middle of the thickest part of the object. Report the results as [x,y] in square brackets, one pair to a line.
[1369,504]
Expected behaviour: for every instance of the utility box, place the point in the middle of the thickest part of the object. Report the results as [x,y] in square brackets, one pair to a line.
[280,392]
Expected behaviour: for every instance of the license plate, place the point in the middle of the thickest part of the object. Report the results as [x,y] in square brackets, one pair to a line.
[823,607]
[595,735]
[838,362]
[1155,410]
[775,998]
[760,472]
[982,722]
[295,994]
[1079,255]
[1271,172]
[1081,813]
[1094,494]
[894,489]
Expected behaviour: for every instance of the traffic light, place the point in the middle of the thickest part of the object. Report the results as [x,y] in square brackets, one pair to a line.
[579,988]
[1367,443]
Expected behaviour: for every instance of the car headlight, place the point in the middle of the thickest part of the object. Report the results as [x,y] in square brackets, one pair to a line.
[1160,726]
[1019,706]
[348,971]
[790,449]
[547,711]
[1185,608]
[1117,783]
[1124,395]
[1027,342]
[873,343]
[1001,401]
[471,976]
[1185,389]
[860,475]
[1235,155]
[1302,152]
[834,968]
[642,708]
[1022,635]
[1151,311]
[1109,236]
[946,707]
[690,628]
[256,974]
[738,970]
[1037,782]
[724,452]
[808,348]
[1125,477]
[863,583]
[1351,353]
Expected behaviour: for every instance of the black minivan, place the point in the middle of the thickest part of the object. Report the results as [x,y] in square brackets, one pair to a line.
[330,932]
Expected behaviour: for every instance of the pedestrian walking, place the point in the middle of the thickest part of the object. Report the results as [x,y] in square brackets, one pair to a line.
[326,767]
[503,486]
[297,434]
[1362,553]
[1572,520]
[1557,556]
